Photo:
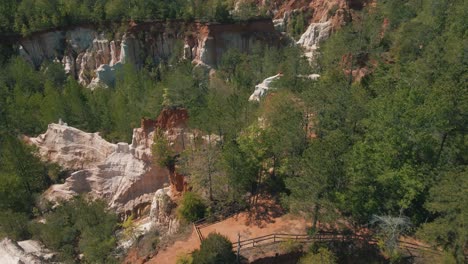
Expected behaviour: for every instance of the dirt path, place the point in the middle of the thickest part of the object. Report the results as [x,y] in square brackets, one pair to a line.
[230,227]
[170,254]
[242,224]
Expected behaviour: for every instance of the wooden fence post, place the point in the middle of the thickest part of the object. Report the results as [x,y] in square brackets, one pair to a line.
[238,247]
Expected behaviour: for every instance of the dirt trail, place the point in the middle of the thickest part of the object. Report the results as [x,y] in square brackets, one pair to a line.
[242,224]
[170,254]
[230,227]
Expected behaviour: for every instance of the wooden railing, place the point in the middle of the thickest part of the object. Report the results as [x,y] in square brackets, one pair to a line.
[213,219]
[199,233]
[303,238]
[321,236]
[216,218]
[325,237]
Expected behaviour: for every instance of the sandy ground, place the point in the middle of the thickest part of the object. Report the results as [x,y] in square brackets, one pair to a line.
[241,223]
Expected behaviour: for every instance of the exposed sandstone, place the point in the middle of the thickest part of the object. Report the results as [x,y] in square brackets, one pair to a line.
[263,87]
[162,217]
[93,58]
[28,251]
[122,174]
[72,148]
[314,35]
[104,170]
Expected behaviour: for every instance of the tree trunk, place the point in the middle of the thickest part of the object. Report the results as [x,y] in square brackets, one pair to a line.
[315,217]
[439,153]
[210,167]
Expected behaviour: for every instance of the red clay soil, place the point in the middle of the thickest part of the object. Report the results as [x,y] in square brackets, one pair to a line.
[243,223]
[171,253]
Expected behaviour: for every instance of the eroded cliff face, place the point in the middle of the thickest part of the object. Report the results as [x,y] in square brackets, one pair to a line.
[123,174]
[72,148]
[109,171]
[323,18]
[93,56]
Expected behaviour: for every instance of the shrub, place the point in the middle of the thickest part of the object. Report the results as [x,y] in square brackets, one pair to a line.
[291,246]
[216,248]
[14,225]
[79,227]
[191,207]
[322,255]
[184,259]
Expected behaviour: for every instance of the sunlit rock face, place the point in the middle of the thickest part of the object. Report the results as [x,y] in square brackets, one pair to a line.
[315,34]
[122,174]
[28,251]
[262,88]
[104,170]
[93,57]
[72,148]
[162,217]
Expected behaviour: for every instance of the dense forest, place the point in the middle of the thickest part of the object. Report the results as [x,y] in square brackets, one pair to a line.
[28,16]
[391,145]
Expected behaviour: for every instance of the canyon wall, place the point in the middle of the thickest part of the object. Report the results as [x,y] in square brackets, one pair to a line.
[322,17]
[93,56]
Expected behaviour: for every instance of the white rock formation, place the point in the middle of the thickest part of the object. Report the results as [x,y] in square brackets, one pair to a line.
[159,207]
[105,170]
[28,251]
[312,77]
[263,87]
[161,217]
[314,35]
[83,49]
[72,148]
[105,75]
[122,174]
[69,65]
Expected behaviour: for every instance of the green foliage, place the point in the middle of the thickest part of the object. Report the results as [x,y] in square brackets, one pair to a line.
[185,259]
[14,225]
[162,152]
[242,172]
[28,16]
[23,175]
[203,164]
[393,143]
[448,200]
[215,248]
[246,10]
[385,145]
[34,99]
[291,246]
[320,179]
[297,25]
[128,227]
[79,227]
[322,255]
[192,207]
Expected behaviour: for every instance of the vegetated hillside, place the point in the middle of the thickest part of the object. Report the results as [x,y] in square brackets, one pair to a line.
[388,116]
[28,16]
